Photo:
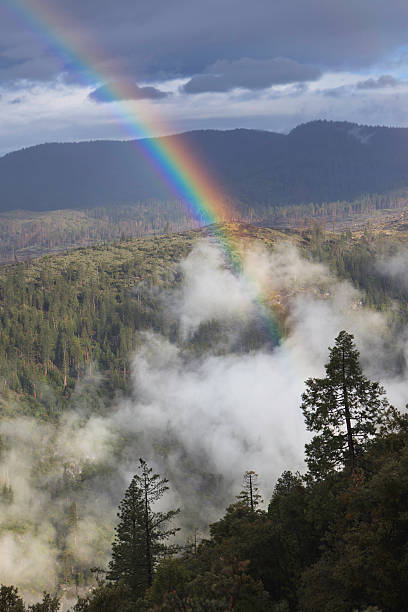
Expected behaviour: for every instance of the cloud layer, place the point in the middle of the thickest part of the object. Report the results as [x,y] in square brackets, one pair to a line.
[250,61]
[248,73]
[182,39]
[110,93]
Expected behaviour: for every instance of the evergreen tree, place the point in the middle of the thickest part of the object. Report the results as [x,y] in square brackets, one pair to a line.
[141,532]
[10,601]
[48,604]
[344,408]
[6,494]
[249,494]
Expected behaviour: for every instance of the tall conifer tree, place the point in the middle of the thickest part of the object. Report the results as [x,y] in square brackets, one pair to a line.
[141,532]
[345,409]
[250,493]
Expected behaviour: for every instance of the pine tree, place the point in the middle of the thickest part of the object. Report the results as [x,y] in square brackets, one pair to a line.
[344,408]
[10,601]
[141,533]
[249,494]
[48,604]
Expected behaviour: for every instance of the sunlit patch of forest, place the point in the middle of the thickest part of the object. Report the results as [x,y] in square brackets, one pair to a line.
[29,234]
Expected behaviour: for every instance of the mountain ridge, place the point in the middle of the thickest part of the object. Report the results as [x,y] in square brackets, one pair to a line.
[319,161]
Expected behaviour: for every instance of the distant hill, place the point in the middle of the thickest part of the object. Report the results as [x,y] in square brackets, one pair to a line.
[316,162]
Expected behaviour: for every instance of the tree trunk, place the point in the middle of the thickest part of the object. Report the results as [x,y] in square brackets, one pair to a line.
[350,441]
[250,493]
[147,530]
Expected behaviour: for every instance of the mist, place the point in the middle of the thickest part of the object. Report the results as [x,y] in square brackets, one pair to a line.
[200,412]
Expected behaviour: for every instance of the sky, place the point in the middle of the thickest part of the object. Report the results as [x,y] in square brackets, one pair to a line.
[264,64]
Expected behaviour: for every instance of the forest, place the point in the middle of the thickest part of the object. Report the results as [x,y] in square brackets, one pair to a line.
[203,306]
[334,538]
[60,316]
[26,234]
[328,537]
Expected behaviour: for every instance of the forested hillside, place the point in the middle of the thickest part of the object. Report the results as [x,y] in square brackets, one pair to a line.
[78,410]
[333,539]
[203,306]
[25,234]
[62,316]
[316,162]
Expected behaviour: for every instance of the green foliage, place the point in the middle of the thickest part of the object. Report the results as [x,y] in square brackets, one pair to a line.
[337,541]
[6,494]
[344,408]
[10,601]
[26,234]
[226,585]
[364,562]
[171,578]
[338,544]
[343,213]
[141,533]
[63,317]
[106,598]
[355,257]
[48,604]
[249,495]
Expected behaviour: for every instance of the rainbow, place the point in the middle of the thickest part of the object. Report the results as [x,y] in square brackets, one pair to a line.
[174,162]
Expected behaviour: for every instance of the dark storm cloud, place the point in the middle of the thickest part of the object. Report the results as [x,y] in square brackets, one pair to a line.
[133,92]
[385,80]
[161,39]
[248,73]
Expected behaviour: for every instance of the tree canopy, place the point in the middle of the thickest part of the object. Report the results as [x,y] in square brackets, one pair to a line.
[141,534]
[344,408]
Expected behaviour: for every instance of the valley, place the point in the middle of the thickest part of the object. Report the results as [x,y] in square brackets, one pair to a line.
[98,340]
[203,306]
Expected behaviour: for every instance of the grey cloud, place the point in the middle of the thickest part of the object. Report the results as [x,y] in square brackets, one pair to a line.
[132,92]
[336,92]
[382,82]
[248,73]
[9,62]
[385,80]
[162,39]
